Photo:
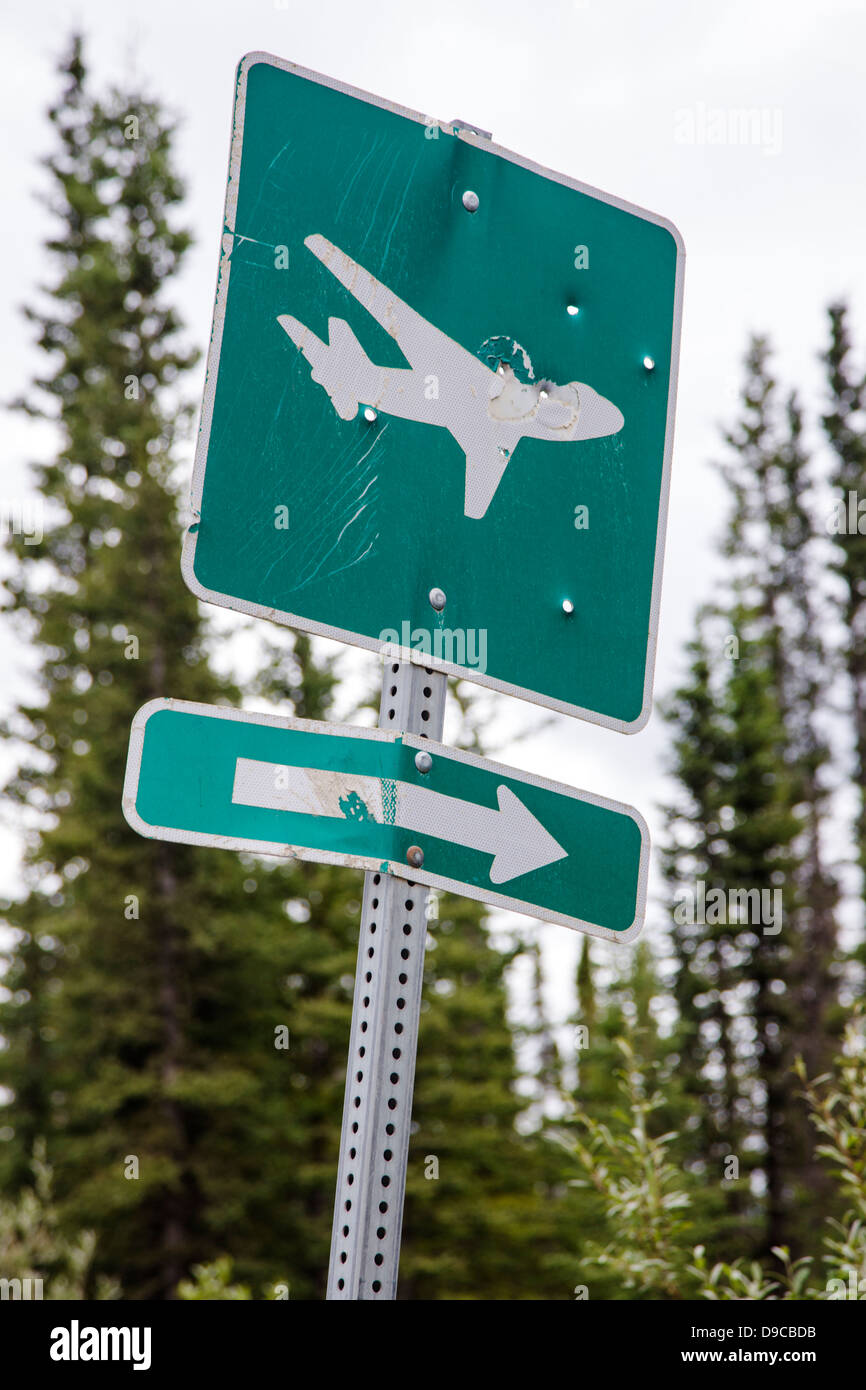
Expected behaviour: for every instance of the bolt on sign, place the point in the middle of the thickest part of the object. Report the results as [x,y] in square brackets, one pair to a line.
[387,802]
[437,367]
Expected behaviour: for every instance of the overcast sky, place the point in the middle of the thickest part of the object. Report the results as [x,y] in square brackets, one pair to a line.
[617,93]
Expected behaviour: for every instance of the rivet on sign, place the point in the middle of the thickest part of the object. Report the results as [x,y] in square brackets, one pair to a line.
[370,414]
[567,605]
[423,762]
[649,363]
[572,309]
[415,856]
[437,599]
[470,201]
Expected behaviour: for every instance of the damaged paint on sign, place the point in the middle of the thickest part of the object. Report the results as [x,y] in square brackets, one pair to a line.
[515,410]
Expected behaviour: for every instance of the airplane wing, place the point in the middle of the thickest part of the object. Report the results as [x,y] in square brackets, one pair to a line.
[421,343]
[486,462]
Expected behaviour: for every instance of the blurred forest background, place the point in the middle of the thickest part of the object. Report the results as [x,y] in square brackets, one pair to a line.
[700,1129]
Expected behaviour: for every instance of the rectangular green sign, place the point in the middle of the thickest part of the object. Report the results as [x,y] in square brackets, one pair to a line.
[206,775]
[438,369]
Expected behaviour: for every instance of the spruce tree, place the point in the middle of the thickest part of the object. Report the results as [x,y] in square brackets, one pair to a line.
[151,984]
[845,429]
[775,534]
[146,979]
[706,955]
[752,759]
[619,1012]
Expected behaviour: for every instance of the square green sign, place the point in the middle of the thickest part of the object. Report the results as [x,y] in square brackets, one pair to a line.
[436,369]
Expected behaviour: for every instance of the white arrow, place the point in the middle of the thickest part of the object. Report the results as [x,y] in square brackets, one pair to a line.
[518,841]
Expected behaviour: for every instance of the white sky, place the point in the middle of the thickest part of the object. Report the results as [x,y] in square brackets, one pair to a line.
[595,88]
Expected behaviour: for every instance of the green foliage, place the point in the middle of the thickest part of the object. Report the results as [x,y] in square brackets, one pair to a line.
[649,1202]
[837,1104]
[641,1189]
[211,1282]
[747,1279]
[615,1001]
[34,1247]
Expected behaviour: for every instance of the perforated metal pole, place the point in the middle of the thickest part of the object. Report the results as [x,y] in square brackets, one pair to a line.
[377,1111]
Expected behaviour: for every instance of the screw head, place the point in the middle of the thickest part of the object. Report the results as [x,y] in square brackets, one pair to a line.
[415,856]
[423,762]
[437,599]
[649,363]
[567,606]
[470,201]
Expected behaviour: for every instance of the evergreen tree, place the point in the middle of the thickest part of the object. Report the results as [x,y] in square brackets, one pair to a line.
[751,758]
[846,433]
[147,982]
[606,1016]
[708,956]
[773,535]
[600,1014]
[151,984]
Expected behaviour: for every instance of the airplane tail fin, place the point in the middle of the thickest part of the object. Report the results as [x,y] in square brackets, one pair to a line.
[341,365]
[342,341]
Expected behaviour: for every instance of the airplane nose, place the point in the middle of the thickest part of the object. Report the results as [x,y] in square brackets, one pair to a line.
[598,415]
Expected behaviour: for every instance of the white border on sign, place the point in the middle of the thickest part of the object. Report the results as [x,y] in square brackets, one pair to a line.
[359,639]
[356,861]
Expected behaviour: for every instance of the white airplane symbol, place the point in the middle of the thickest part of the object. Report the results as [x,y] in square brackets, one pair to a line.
[487,412]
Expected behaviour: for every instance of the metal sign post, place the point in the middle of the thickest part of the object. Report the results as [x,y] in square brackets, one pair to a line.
[377,1111]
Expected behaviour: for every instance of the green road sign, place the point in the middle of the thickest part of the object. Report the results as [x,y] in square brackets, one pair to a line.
[204,775]
[437,369]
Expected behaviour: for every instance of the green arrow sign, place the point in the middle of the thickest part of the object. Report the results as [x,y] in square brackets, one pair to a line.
[437,366]
[339,795]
